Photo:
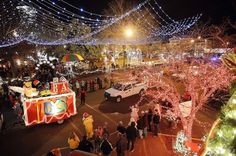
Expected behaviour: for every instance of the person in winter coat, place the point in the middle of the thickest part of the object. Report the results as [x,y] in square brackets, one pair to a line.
[155,122]
[121,128]
[88,124]
[131,134]
[121,145]
[85,145]
[106,147]
[140,126]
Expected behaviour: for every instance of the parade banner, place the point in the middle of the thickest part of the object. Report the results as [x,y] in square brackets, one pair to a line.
[60,87]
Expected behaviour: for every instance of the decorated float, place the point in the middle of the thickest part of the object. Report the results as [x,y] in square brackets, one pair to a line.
[48,103]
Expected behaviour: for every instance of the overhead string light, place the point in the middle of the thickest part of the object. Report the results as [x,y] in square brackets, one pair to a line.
[7,11]
[86,12]
[51,18]
[161,29]
[63,12]
[80,40]
[65,17]
[160,8]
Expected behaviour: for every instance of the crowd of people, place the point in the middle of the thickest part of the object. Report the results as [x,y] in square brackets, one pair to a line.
[81,86]
[97,140]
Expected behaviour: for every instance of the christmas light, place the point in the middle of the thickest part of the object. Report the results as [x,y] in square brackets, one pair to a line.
[46,15]
[212,78]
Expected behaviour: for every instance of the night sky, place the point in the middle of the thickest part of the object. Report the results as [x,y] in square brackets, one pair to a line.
[177,9]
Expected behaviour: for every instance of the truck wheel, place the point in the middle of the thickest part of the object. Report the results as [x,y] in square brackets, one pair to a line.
[141,92]
[118,99]
[60,122]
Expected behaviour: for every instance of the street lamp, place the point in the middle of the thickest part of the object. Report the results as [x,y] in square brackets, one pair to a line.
[129,32]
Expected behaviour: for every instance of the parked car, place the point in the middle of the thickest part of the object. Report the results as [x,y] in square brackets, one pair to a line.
[123,90]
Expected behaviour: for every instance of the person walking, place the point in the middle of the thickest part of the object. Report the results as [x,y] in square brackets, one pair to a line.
[73,141]
[131,134]
[121,145]
[155,122]
[140,126]
[82,96]
[85,145]
[106,147]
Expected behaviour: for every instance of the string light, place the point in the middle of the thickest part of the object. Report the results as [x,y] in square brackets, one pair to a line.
[84,11]
[56,16]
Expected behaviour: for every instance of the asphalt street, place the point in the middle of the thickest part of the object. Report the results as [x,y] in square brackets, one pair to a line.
[39,139]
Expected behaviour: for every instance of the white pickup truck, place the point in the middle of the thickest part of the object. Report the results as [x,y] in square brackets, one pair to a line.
[123,90]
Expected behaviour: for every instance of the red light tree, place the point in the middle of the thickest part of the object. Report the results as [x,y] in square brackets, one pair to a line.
[200,80]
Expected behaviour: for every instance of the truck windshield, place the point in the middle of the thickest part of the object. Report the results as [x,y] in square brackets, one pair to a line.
[118,86]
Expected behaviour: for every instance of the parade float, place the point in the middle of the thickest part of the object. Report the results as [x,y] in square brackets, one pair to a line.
[44,105]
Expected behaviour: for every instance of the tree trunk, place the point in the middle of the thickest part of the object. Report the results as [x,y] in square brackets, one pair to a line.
[188,129]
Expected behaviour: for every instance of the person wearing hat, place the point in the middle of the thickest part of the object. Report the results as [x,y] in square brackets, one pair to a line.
[88,124]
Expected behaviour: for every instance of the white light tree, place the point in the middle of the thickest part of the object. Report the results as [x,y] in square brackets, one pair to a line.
[201,80]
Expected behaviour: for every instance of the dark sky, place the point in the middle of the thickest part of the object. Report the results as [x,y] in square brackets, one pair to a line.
[178,9]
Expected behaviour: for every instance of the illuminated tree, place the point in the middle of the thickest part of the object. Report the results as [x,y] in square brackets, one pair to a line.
[200,80]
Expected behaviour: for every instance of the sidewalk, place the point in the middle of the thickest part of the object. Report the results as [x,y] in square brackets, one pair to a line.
[152,146]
